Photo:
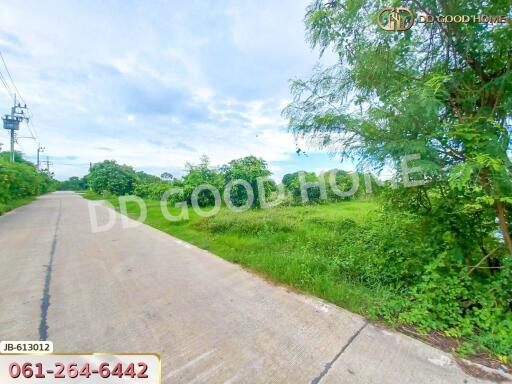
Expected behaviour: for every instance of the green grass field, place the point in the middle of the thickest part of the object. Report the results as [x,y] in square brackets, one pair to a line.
[349,253]
[291,245]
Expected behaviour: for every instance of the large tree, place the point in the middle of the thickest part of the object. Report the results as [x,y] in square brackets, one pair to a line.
[441,90]
[249,169]
[202,174]
[108,176]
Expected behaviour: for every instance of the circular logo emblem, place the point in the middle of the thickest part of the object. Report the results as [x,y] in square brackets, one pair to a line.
[395,18]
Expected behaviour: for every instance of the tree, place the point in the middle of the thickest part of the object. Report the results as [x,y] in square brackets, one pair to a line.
[288,179]
[291,182]
[143,177]
[18,157]
[342,189]
[441,90]
[166,176]
[345,184]
[201,174]
[249,169]
[74,183]
[108,176]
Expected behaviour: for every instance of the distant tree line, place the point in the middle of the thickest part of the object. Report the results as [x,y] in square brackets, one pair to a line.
[109,177]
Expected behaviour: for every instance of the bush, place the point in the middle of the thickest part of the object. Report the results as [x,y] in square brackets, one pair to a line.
[249,223]
[387,251]
[155,191]
[21,180]
[463,304]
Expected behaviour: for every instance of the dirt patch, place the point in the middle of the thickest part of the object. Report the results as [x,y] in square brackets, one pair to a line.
[450,344]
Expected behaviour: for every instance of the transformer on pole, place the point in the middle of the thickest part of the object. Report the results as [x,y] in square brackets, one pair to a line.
[12,123]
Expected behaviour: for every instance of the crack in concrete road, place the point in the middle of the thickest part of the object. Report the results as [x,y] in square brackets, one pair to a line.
[45,300]
[329,365]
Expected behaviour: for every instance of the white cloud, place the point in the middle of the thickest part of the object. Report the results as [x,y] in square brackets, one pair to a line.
[155,86]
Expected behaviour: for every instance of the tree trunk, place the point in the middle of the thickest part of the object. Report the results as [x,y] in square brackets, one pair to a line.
[503,224]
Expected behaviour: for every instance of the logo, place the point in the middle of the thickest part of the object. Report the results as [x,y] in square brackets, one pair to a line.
[402,19]
[395,18]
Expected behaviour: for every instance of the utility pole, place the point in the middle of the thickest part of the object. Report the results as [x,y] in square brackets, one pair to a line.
[48,163]
[39,150]
[12,122]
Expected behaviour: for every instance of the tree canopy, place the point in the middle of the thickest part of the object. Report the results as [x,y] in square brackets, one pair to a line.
[440,90]
[108,176]
[249,169]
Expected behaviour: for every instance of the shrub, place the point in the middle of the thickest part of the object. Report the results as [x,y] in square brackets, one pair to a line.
[155,191]
[20,180]
[249,223]
[461,303]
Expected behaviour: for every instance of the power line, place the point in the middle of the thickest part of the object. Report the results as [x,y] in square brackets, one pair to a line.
[12,81]
[30,124]
[5,85]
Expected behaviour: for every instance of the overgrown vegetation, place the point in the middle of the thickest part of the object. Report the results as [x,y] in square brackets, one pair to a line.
[436,253]
[380,263]
[442,93]
[20,182]
[297,245]
[389,255]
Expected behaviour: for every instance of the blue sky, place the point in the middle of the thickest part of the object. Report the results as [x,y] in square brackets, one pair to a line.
[156,84]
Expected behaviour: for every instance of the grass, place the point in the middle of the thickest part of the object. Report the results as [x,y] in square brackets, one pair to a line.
[12,204]
[90,195]
[291,245]
[340,252]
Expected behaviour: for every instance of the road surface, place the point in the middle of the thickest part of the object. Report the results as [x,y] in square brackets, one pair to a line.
[140,290]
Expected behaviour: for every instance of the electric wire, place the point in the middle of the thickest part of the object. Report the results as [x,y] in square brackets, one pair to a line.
[17,141]
[9,92]
[12,81]
[30,125]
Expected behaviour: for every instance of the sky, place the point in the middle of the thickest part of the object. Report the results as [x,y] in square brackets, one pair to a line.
[156,84]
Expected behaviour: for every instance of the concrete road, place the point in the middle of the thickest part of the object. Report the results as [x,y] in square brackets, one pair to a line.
[140,290]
